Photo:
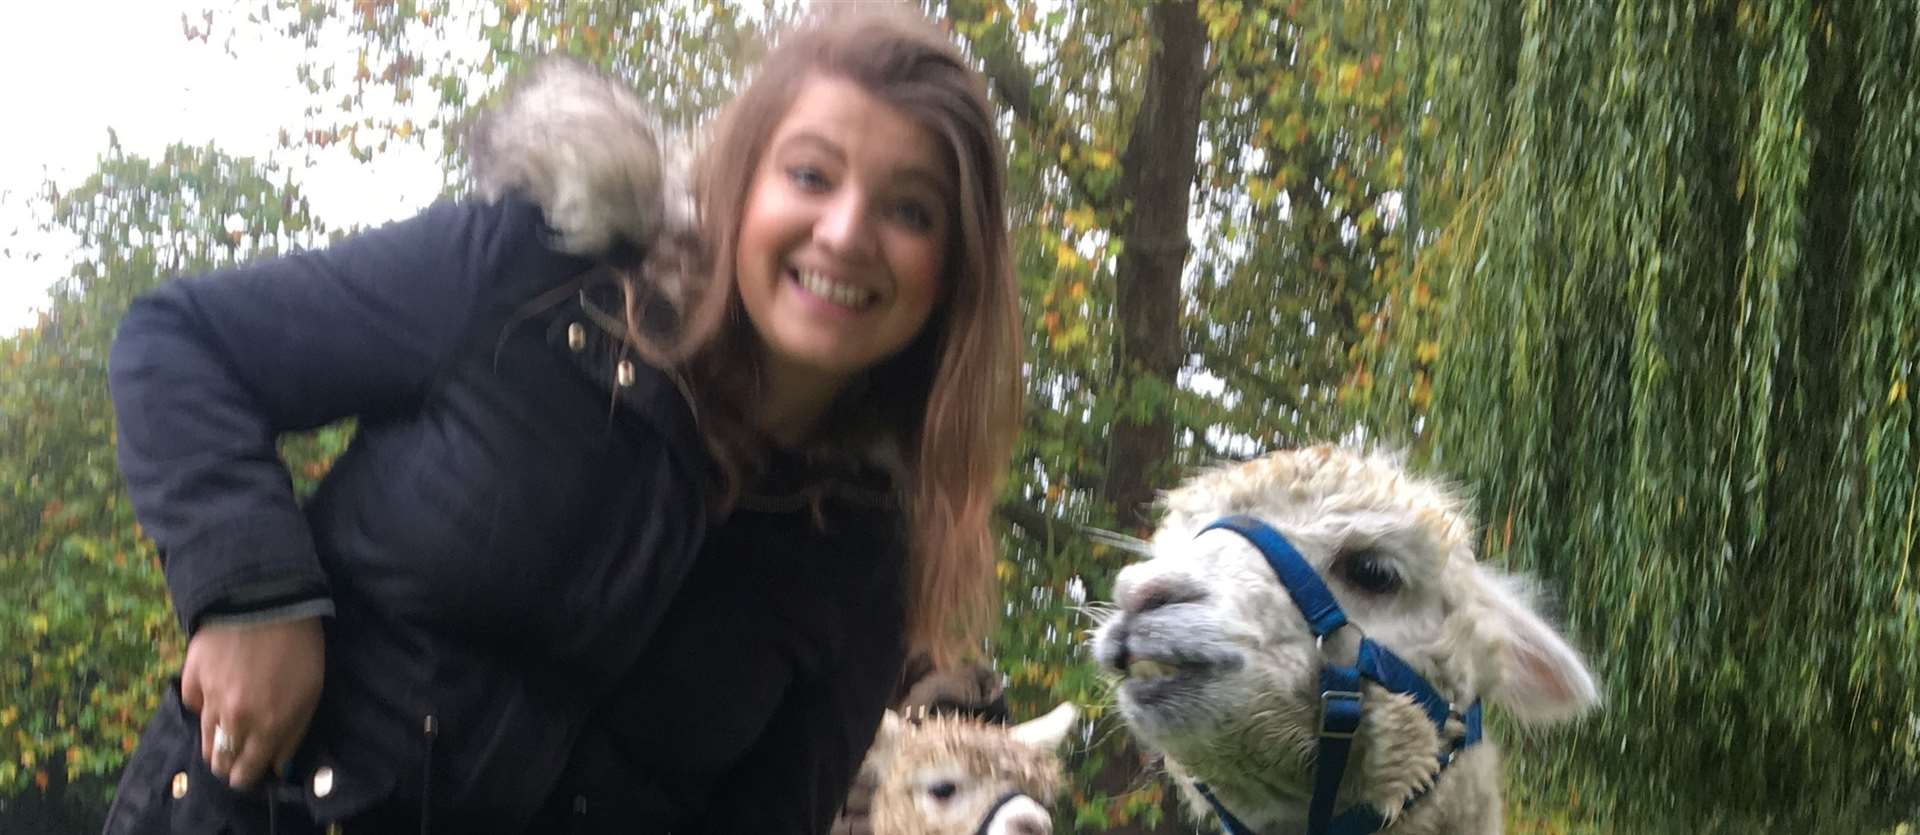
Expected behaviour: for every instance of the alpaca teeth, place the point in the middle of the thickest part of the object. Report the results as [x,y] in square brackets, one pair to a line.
[845,295]
[1148,669]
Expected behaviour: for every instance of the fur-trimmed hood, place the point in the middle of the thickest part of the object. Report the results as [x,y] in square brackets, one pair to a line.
[595,158]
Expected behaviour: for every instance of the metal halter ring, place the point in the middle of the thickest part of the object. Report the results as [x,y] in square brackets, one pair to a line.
[1320,642]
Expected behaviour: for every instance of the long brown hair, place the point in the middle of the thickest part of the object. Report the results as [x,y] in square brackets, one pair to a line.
[948,405]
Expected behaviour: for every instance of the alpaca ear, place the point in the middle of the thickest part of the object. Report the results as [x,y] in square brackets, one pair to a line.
[1047,732]
[881,751]
[1542,678]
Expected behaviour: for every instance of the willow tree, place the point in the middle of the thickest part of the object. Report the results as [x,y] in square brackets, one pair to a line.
[1665,323]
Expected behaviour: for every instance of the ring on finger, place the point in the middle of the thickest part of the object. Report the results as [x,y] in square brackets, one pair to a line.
[222,741]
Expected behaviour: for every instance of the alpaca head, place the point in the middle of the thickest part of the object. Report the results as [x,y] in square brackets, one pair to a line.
[956,776]
[1219,670]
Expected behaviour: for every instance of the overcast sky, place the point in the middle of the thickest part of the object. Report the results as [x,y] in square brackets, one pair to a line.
[74,68]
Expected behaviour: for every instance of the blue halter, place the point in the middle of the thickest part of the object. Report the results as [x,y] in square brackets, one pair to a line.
[1341,692]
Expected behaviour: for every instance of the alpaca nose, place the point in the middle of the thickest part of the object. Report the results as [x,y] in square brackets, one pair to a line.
[1163,590]
[1021,816]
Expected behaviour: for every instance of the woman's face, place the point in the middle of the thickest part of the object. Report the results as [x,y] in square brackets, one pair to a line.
[844,234]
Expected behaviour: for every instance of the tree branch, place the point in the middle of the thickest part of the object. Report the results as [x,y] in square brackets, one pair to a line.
[1041,526]
[1014,82]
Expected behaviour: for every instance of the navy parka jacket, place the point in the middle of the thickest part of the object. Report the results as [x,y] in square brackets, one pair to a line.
[535,626]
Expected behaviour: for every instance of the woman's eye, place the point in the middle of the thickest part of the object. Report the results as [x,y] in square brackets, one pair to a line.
[807,178]
[915,215]
[943,790]
[1369,572]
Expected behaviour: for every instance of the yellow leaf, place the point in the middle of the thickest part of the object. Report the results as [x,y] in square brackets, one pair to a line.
[1074,335]
[1349,77]
[1896,392]
[38,622]
[1065,256]
[1260,192]
[1080,218]
[1100,158]
[1078,291]
[1428,351]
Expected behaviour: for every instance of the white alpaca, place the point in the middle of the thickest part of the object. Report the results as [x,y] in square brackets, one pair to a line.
[958,776]
[1221,672]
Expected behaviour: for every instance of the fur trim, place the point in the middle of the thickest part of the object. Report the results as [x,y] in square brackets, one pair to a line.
[590,153]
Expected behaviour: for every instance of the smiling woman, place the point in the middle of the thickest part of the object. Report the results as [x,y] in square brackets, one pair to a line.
[660,473]
[841,246]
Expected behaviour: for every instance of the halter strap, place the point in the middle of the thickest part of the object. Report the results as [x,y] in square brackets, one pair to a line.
[987,819]
[1342,691]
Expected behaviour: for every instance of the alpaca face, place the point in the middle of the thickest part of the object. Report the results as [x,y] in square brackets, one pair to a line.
[949,776]
[1219,670]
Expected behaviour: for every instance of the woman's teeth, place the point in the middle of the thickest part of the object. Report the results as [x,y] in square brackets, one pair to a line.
[844,295]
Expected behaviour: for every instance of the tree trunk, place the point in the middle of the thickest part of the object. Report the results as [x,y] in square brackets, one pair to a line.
[1158,179]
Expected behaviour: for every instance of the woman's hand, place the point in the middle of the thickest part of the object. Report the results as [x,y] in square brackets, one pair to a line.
[257,685]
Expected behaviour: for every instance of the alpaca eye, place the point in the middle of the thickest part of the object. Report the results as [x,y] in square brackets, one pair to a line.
[943,790]
[1369,572]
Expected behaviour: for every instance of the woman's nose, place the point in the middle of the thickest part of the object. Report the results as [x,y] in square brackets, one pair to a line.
[844,225]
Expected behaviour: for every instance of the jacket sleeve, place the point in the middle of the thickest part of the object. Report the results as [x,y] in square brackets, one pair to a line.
[797,776]
[206,372]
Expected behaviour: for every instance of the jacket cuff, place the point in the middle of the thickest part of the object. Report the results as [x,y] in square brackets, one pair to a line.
[321,607]
[241,570]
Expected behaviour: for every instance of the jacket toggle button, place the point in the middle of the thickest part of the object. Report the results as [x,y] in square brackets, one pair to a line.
[623,373]
[577,337]
[179,785]
[323,781]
